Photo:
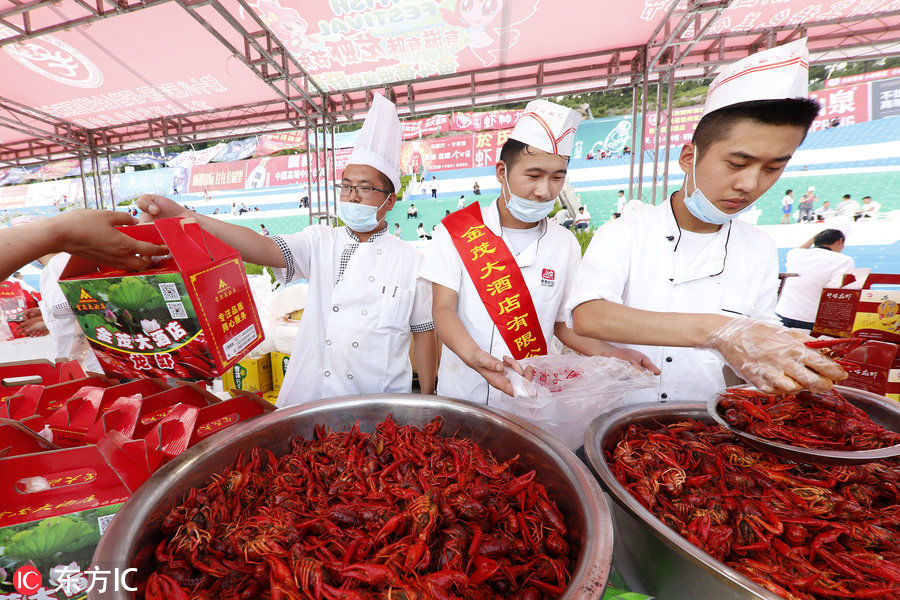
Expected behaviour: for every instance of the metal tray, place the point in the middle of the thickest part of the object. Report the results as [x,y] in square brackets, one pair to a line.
[669,566]
[881,410]
[135,527]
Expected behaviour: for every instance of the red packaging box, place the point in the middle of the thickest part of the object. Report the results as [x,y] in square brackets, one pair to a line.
[190,316]
[855,308]
[16,439]
[155,408]
[878,370]
[14,376]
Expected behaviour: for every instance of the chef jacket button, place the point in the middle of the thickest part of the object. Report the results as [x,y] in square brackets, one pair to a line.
[327,373]
[327,342]
[335,308]
[371,278]
[668,359]
[379,251]
[364,312]
[356,344]
[349,375]
[671,238]
[664,395]
[340,277]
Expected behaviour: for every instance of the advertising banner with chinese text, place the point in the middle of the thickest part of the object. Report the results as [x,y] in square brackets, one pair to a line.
[885,98]
[481,121]
[271,143]
[684,122]
[453,152]
[843,105]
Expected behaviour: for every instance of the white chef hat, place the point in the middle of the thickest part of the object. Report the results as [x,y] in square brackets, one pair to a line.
[378,145]
[547,126]
[773,74]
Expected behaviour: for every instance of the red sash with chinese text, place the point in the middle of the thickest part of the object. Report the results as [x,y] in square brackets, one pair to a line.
[499,281]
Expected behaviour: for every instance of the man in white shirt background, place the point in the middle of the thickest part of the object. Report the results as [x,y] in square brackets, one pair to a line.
[868,210]
[620,202]
[582,219]
[816,262]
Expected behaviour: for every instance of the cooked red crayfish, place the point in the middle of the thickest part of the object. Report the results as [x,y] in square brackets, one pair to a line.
[804,532]
[402,514]
[823,421]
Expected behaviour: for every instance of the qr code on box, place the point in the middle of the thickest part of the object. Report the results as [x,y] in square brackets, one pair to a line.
[169,291]
[103,522]
[176,309]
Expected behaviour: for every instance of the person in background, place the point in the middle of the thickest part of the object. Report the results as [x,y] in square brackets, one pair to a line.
[421,232]
[90,234]
[206,195]
[787,206]
[447,213]
[462,202]
[365,303]
[397,229]
[500,273]
[816,262]
[620,202]
[263,230]
[824,212]
[868,210]
[17,277]
[234,208]
[476,189]
[216,211]
[807,203]
[582,219]
[688,283]
[434,186]
[412,212]
[846,207]
[564,218]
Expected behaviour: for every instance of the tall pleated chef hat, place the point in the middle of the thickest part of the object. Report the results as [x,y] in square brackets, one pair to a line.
[774,74]
[378,145]
[547,126]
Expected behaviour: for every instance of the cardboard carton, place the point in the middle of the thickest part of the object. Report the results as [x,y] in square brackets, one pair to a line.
[877,370]
[250,374]
[280,362]
[191,315]
[15,375]
[855,308]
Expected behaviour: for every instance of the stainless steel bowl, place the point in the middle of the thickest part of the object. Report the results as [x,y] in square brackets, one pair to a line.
[133,533]
[883,411]
[669,566]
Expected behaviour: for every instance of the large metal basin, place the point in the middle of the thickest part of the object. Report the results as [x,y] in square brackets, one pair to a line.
[668,565]
[569,482]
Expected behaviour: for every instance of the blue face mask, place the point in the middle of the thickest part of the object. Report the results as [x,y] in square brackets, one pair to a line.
[527,211]
[359,217]
[700,206]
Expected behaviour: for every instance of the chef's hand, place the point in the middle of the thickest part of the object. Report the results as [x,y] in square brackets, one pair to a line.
[773,358]
[491,369]
[637,359]
[92,234]
[527,372]
[159,207]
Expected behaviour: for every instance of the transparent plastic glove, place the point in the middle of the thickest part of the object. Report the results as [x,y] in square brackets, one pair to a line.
[772,358]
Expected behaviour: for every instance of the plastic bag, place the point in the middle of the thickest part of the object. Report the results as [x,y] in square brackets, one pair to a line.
[569,391]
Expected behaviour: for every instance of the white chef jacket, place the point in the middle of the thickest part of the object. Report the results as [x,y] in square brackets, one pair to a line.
[814,267]
[631,261]
[548,266]
[356,328]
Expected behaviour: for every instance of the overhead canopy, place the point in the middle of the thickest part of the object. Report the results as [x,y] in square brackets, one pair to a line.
[83,77]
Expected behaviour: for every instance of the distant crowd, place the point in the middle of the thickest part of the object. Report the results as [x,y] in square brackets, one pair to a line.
[808,209]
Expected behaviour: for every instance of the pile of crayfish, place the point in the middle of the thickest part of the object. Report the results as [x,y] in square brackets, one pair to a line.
[401,514]
[803,532]
[823,421]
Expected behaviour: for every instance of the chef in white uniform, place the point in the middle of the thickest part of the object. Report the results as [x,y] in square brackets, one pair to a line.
[531,172]
[365,302]
[686,282]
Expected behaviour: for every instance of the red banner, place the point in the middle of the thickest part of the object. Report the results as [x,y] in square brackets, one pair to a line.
[481,121]
[421,127]
[270,143]
[684,122]
[13,196]
[844,105]
[488,146]
[264,172]
[861,78]
[453,152]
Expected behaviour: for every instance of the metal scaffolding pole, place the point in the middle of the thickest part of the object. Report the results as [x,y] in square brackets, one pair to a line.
[670,96]
[333,169]
[109,174]
[656,136]
[308,170]
[95,175]
[325,171]
[319,167]
[83,182]
[634,125]
[640,183]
